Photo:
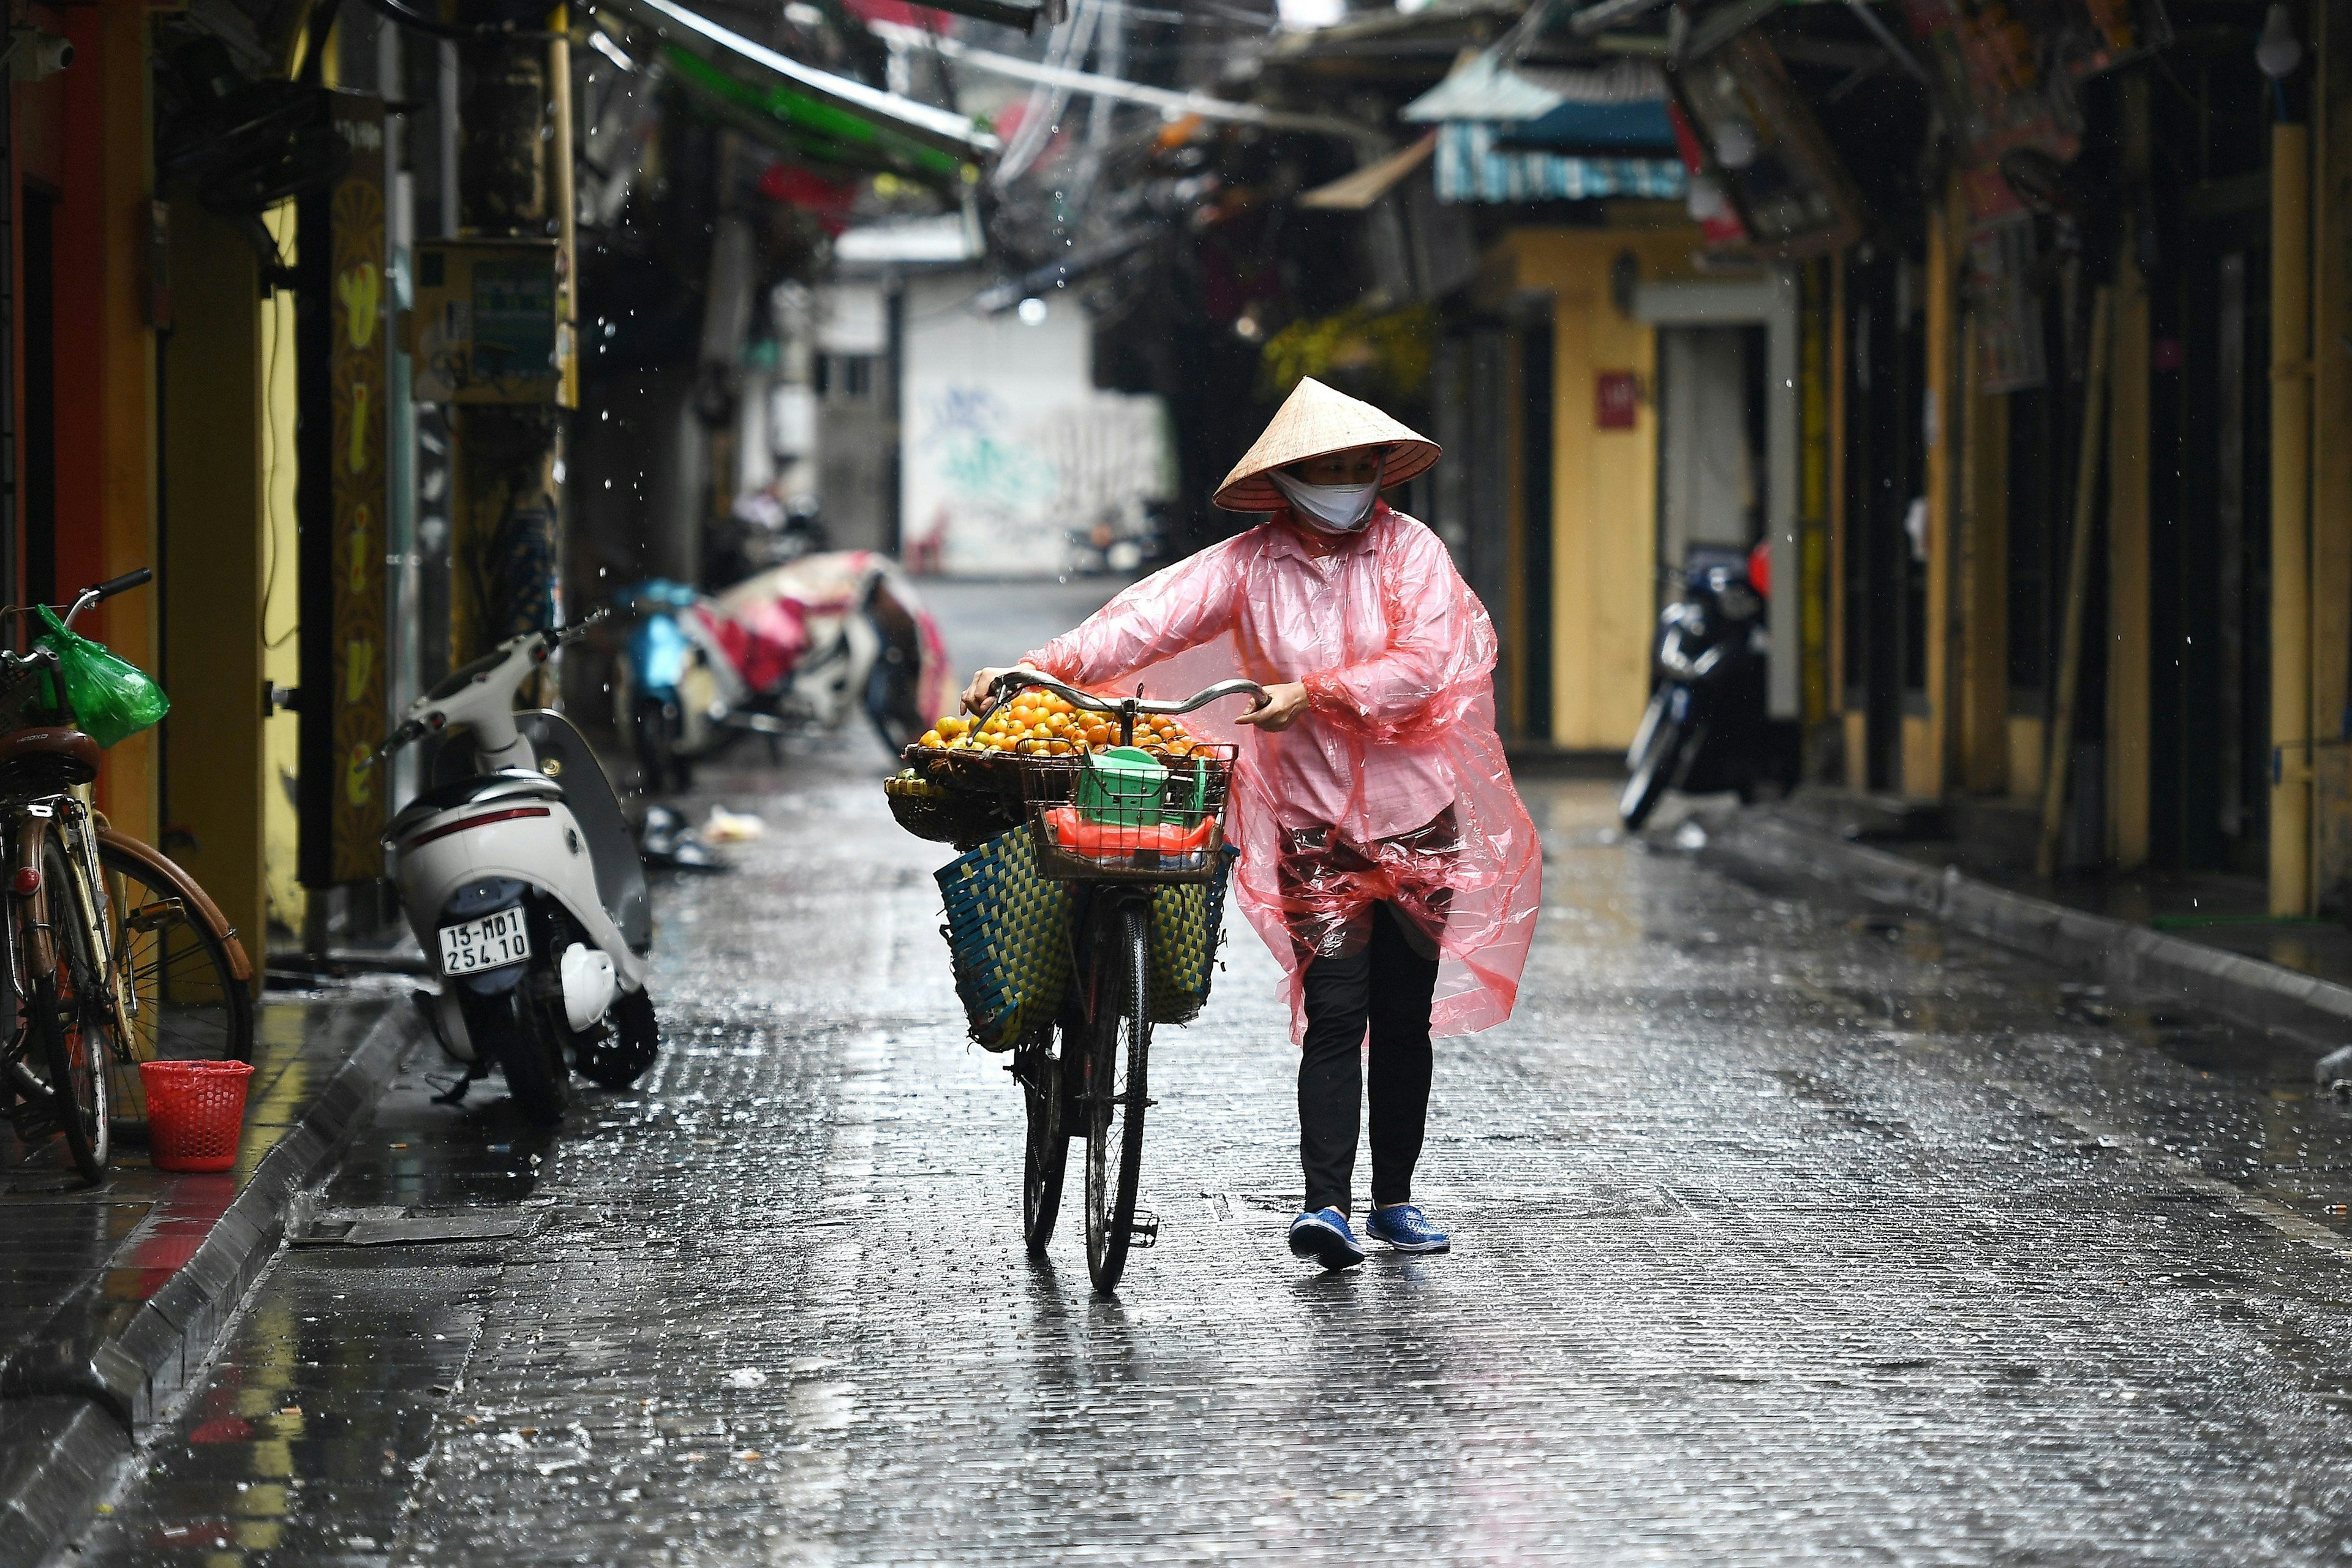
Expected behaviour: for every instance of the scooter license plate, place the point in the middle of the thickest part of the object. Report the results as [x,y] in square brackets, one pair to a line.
[491,942]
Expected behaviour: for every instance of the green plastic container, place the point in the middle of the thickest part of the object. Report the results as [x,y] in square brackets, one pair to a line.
[1121,786]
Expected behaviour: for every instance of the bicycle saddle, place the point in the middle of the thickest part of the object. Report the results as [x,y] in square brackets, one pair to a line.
[76,755]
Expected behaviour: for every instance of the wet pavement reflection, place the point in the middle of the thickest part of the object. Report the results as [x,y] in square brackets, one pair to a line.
[80,1262]
[1782,1229]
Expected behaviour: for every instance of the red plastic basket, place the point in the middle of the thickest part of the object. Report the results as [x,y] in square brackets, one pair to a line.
[196,1113]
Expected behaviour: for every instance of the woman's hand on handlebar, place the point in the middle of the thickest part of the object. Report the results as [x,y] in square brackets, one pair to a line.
[1284,701]
[976,696]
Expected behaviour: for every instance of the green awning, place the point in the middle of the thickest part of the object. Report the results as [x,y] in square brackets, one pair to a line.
[824,116]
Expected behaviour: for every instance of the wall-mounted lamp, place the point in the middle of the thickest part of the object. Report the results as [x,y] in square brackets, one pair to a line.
[33,55]
[2280,51]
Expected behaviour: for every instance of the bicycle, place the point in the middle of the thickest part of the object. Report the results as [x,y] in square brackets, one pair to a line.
[1104,1031]
[133,963]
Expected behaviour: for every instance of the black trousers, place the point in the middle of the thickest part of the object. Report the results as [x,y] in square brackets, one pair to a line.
[1385,989]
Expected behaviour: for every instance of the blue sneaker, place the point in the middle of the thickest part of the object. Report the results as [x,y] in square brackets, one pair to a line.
[1406,1228]
[1323,1236]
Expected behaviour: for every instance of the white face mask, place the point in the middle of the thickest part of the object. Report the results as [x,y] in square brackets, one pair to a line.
[1334,509]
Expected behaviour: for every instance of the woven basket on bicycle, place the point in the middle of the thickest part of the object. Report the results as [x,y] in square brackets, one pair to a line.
[964,818]
[970,770]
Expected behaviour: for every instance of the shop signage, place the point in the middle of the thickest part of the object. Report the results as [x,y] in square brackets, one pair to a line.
[490,322]
[1791,195]
[1617,400]
[358,361]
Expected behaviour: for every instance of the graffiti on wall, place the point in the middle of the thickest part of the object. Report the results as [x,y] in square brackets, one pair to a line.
[1009,491]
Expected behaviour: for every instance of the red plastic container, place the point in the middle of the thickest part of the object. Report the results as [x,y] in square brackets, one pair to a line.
[196,1113]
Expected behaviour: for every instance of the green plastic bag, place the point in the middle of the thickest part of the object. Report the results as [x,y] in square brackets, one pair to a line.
[111,697]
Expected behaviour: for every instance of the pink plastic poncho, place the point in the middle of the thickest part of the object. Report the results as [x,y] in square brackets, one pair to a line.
[1391,788]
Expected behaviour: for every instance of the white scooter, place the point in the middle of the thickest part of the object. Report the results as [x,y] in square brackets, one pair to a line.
[523,882]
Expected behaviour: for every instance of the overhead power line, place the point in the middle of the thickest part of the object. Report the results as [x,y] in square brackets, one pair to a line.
[1369,143]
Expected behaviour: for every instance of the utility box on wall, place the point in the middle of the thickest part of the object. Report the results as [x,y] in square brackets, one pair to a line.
[488,325]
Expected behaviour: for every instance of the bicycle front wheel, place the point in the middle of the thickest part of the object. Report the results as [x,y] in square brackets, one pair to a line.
[1117,1091]
[178,970]
[68,1010]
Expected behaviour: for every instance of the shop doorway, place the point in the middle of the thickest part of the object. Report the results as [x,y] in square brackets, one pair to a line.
[1885,606]
[2210,755]
[1711,451]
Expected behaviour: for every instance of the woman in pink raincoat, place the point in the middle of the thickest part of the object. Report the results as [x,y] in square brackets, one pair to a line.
[1386,857]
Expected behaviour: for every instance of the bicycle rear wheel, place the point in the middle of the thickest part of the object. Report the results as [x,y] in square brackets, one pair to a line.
[181,990]
[1046,1154]
[1117,1091]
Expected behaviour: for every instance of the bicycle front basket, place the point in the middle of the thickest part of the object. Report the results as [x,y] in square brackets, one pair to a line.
[1008,935]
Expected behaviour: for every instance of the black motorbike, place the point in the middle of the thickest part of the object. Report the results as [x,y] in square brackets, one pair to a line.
[1705,729]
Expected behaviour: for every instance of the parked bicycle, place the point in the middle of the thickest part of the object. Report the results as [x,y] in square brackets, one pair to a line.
[114,955]
[1091,1078]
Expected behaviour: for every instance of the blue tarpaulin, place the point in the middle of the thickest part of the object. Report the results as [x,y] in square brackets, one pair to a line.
[1628,129]
[1470,168]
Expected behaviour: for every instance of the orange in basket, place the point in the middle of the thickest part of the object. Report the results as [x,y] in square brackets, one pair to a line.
[196,1113]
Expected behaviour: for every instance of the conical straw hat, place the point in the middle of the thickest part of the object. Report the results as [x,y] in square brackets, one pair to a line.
[1311,423]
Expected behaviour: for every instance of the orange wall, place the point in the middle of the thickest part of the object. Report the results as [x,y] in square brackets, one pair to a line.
[105,377]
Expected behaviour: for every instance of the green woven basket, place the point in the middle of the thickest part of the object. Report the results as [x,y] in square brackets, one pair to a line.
[1008,935]
[1187,920]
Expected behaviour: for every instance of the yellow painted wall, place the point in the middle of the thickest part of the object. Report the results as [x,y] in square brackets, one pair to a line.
[281,663]
[1604,483]
[2027,744]
[2331,416]
[209,580]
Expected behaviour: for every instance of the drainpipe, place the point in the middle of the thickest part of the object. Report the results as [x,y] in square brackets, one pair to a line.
[2291,879]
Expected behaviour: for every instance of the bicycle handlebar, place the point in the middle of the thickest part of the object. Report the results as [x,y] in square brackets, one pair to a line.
[1014,681]
[122,585]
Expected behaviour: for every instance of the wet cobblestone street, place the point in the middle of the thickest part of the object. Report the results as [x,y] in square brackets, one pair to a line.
[1782,1231]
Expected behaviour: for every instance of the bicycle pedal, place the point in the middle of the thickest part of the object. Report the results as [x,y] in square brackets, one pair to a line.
[34,1124]
[1143,1230]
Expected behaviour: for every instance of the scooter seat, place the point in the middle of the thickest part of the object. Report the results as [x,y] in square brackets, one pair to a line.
[507,783]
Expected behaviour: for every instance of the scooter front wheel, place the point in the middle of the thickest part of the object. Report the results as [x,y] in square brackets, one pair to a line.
[620,1057]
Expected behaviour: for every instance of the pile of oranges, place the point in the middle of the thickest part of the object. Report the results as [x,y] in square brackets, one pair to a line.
[1040,725]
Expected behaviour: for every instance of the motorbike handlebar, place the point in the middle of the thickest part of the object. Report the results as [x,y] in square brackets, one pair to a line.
[401,737]
[580,627]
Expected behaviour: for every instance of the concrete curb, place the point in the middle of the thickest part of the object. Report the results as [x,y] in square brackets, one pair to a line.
[73,1401]
[2308,1012]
